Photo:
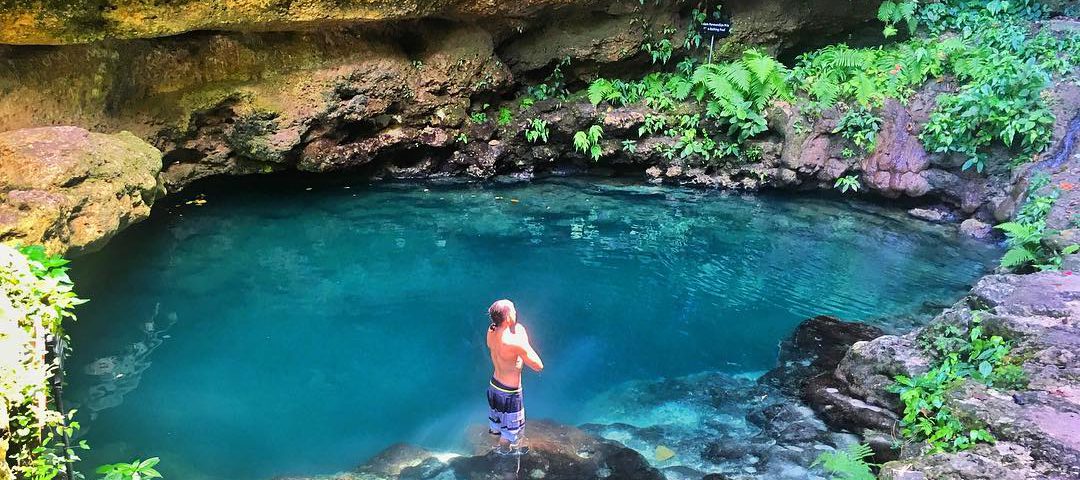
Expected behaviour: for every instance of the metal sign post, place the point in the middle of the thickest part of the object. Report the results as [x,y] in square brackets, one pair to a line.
[719,28]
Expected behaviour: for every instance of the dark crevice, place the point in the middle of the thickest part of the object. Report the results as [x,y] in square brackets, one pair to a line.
[181,155]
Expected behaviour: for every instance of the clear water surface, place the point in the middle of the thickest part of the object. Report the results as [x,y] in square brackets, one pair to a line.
[280,330]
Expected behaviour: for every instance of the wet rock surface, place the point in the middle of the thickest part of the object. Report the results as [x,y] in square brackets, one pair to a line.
[554,452]
[70,189]
[1037,427]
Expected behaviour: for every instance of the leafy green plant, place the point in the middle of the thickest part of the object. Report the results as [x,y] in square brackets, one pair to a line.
[589,142]
[846,183]
[927,415]
[462,138]
[738,92]
[478,117]
[659,51]
[505,117]
[554,85]
[1025,242]
[652,124]
[537,130]
[36,297]
[693,29]
[1025,234]
[893,12]
[1003,68]
[629,146]
[847,464]
[753,153]
[861,127]
[1003,103]
[137,470]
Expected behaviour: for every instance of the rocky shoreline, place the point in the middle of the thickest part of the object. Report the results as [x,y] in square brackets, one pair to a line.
[828,391]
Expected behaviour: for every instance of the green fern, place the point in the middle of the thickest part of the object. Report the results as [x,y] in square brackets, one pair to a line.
[738,92]
[589,142]
[893,12]
[599,90]
[848,464]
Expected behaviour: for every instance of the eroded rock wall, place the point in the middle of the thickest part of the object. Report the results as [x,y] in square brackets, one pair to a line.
[71,190]
[49,22]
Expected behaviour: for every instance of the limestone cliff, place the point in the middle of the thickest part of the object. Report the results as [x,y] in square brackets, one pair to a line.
[48,22]
[72,190]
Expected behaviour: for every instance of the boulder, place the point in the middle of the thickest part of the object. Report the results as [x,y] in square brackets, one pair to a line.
[868,368]
[1002,461]
[976,229]
[898,164]
[70,189]
[555,452]
[938,214]
[815,347]
[1037,426]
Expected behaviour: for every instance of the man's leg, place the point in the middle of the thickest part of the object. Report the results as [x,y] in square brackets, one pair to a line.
[513,424]
[493,414]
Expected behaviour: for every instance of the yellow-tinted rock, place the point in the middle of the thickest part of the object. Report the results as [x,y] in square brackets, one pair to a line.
[70,189]
[664,453]
[45,22]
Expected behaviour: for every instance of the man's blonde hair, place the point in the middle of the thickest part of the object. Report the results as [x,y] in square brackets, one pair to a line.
[500,311]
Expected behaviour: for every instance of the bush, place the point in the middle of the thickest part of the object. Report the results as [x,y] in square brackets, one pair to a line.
[927,415]
[37,298]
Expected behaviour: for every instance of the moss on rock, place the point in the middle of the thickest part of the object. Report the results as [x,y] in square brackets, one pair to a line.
[70,189]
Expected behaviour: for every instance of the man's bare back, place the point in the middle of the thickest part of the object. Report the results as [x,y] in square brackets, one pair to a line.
[510,350]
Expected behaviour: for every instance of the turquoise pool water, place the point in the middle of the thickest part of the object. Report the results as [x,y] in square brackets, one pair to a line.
[287,328]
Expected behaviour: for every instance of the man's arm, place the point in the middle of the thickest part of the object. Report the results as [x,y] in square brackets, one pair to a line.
[531,358]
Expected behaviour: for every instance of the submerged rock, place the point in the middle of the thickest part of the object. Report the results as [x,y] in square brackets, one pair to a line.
[976,229]
[715,423]
[933,214]
[72,190]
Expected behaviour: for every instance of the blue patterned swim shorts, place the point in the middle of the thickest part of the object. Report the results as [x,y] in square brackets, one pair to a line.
[506,414]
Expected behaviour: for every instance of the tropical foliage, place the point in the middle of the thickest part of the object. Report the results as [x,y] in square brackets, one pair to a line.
[846,183]
[1002,67]
[973,356]
[589,142]
[537,131]
[137,470]
[37,297]
[1024,236]
[847,464]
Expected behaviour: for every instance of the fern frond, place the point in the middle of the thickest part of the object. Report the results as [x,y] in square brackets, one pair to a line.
[599,90]
[887,12]
[825,90]
[738,75]
[762,66]
[848,464]
[1017,256]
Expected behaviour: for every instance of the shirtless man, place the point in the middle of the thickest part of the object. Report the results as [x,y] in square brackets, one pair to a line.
[510,349]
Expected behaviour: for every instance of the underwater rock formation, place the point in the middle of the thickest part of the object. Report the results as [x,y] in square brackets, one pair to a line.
[70,189]
[715,423]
